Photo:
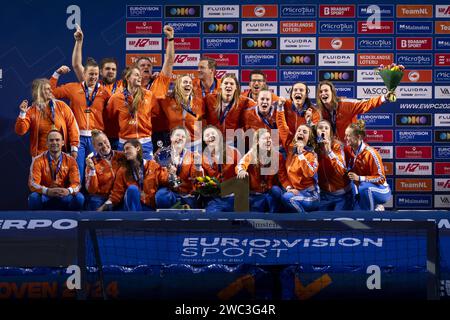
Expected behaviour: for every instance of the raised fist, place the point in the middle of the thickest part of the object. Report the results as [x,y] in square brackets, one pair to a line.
[24,106]
[78,35]
[168,31]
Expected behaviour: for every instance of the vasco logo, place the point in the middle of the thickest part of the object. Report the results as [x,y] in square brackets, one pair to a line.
[259,43]
[337,75]
[413,119]
[220,27]
[298,59]
[182,12]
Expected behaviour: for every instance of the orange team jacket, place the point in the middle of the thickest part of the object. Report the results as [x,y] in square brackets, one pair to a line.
[263,182]
[347,111]
[154,176]
[159,89]
[40,124]
[232,119]
[285,134]
[74,91]
[332,169]
[248,94]
[177,116]
[100,181]
[187,172]
[41,176]
[301,169]
[367,164]
[253,120]
[294,118]
[111,128]
[200,92]
[112,88]
[223,171]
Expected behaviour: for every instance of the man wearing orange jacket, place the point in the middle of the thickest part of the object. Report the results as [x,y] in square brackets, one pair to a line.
[54,179]
[206,82]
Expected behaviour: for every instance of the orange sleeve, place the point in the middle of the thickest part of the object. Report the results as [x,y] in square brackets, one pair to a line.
[283,129]
[376,167]
[244,163]
[308,164]
[35,178]
[363,106]
[72,126]
[317,116]
[91,181]
[337,157]
[61,92]
[23,123]
[74,175]
[163,176]
[160,86]
[119,187]
[282,173]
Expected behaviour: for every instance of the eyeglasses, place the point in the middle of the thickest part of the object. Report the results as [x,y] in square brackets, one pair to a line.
[257,80]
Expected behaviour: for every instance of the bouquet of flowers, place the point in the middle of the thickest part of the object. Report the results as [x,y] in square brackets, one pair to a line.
[207,186]
[391,75]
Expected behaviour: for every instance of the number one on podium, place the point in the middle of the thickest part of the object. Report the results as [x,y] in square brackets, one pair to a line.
[241,193]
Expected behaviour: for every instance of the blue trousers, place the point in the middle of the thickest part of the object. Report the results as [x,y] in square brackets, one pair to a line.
[266,202]
[331,202]
[84,150]
[370,195]
[94,202]
[220,204]
[147,150]
[166,198]
[37,201]
[303,202]
[132,200]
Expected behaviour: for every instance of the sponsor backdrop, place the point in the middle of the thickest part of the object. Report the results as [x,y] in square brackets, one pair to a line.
[291,42]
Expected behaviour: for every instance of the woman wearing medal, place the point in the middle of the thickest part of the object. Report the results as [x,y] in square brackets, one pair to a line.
[132,109]
[136,181]
[46,114]
[301,183]
[219,161]
[265,168]
[184,166]
[87,101]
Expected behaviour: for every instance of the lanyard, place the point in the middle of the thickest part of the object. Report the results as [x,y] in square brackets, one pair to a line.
[58,165]
[187,108]
[266,122]
[300,113]
[180,164]
[352,161]
[211,163]
[149,84]
[126,95]
[332,117]
[139,176]
[89,101]
[52,110]
[211,89]
[225,112]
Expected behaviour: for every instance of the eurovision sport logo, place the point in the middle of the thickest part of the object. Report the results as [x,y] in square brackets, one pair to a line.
[377,119]
[222,43]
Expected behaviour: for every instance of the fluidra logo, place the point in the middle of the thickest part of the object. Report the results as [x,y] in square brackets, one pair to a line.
[266,248]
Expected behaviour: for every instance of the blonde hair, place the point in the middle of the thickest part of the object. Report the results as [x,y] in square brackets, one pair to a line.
[177,90]
[359,128]
[236,94]
[254,150]
[138,97]
[37,90]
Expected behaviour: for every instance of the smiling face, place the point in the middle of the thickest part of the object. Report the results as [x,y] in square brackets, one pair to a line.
[211,137]
[135,78]
[302,134]
[131,151]
[47,93]
[299,94]
[324,129]
[265,142]
[351,139]
[55,142]
[186,85]
[109,72]
[325,94]
[264,102]
[228,87]
[178,138]
[91,75]
[204,72]
[102,145]
[257,83]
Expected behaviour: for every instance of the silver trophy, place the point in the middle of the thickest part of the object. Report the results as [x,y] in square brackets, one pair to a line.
[163,157]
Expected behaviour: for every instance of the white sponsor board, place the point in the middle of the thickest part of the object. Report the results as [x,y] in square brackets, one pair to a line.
[386,152]
[221,11]
[442,119]
[144,44]
[337,59]
[368,76]
[413,168]
[298,43]
[442,201]
[186,59]
[260,27]
[442,92]
[414,92]
[366,92]
[285,91]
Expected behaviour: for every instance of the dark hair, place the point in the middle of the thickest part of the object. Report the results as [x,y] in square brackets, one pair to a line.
[128,163]
[107,60]
[307,100]
[259,72]
[90,62]
[143,58]
[334,99]
[211,62]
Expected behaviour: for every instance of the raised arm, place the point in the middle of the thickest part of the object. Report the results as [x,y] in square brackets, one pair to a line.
[170,52]
[77,54]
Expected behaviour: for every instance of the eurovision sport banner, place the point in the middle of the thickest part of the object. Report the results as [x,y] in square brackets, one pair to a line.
[306,42]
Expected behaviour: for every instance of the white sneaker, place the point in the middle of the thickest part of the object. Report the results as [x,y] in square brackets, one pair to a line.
[379,207]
